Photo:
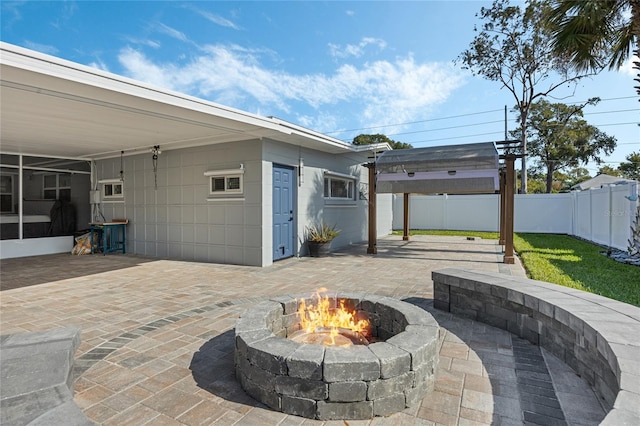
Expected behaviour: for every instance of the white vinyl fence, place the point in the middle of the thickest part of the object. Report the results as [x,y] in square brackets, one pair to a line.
[602,215]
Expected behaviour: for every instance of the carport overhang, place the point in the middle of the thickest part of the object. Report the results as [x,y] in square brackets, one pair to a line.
[52,107]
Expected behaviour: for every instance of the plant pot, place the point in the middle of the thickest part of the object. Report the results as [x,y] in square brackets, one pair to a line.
[319,249]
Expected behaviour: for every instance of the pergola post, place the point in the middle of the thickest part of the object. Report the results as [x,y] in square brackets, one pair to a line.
[508,215]
[502,207]
[373,223]
[405,235]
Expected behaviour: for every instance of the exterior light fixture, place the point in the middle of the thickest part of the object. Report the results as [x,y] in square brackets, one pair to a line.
[451,172]
[411,174]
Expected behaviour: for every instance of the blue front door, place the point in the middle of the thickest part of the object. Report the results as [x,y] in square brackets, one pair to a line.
[283,213]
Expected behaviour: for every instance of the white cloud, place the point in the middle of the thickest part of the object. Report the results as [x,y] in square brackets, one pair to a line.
[141,68]
[355,50]
[218,20]
[373,94]
[324,121]
[350,12]
[627,68]
[39,47]
[99,65]
[144,41]
[171,32]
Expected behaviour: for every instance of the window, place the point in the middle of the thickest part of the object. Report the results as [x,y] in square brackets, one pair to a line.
[225,182]
[6,194]
[339,187]
[112,190]
[56,187]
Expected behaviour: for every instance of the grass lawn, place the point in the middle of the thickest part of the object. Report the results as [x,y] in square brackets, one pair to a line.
[567,261]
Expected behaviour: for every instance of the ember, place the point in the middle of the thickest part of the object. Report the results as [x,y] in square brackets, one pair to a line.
[330,327]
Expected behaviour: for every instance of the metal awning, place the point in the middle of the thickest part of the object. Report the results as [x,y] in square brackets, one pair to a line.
[454,169]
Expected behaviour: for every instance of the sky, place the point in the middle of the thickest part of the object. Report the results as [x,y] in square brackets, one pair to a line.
[337,67]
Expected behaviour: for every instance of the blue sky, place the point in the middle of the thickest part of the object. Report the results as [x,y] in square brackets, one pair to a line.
[341,68]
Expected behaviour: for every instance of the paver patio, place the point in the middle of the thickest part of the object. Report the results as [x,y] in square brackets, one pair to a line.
[157,335]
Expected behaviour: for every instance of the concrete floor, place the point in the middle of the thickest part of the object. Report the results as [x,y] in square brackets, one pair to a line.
[157,335]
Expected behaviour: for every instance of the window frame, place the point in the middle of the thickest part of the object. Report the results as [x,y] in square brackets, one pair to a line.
[227,175]
[57,187]
[112,183]
[351,186]
[7,193]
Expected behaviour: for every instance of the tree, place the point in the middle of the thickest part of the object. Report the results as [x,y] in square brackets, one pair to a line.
[514,48]
[631,168]
[595,34]
[378,138]
[560,138]
[535,182]
[576,175]
[608,170]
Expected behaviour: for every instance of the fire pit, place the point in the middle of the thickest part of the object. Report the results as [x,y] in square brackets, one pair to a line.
[338,372]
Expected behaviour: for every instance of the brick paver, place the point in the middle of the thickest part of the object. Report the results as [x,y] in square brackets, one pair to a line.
[157,335]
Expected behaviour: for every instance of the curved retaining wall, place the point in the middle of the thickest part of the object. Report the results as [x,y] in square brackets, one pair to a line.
[330,383]
[596,336]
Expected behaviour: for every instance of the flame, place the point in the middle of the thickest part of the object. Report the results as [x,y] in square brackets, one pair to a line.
[321,317]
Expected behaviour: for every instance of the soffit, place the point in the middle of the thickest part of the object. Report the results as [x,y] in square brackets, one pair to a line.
[58,108]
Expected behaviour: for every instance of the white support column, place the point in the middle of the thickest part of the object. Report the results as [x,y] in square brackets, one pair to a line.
[20,199]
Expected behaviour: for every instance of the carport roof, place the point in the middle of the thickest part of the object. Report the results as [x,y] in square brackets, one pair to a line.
[453,169]
[53,107]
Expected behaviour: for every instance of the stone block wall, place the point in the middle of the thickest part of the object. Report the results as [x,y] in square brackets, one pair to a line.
[598,337]
[327,383]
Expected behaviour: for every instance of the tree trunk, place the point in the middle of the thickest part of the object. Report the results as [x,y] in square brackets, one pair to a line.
[550,170]
[524,113]
[635,29]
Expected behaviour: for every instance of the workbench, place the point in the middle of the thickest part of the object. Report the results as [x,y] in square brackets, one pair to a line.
[112,235]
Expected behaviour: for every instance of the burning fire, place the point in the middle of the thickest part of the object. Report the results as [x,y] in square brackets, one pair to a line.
[320,318]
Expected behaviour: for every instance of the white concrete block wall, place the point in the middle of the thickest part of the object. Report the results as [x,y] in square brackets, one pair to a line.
[350,217]
[177,220]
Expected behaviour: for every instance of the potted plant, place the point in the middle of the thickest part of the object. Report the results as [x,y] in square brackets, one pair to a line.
[319,237]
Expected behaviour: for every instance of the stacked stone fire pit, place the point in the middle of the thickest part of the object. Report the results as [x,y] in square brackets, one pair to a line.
[393,372]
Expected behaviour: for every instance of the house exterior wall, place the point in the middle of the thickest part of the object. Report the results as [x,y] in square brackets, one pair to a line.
[179,220]
[351,217]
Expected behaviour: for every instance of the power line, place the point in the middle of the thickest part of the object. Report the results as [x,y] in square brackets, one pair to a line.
[447,128]
[459,137]
[611,112]
[472,114]
[414,122]
[604,100]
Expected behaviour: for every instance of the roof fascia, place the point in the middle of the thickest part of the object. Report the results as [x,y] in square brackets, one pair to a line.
[56,67]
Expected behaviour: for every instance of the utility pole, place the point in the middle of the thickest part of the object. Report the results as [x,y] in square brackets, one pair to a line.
[523,126]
